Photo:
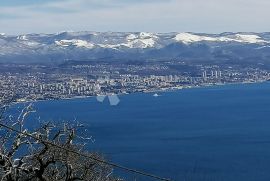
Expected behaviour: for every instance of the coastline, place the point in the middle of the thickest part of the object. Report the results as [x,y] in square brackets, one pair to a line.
[169,89]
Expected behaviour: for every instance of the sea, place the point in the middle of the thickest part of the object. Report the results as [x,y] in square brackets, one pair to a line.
[216,133]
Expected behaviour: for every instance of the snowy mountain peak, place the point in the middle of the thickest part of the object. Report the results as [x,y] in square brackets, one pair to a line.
[189,38]
[74,42]
[241,38]
[144,35]
[247,38]
[128,45]
[141,43]
[148,43]
[131,37]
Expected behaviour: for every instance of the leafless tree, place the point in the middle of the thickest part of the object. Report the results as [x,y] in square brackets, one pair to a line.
[48,153]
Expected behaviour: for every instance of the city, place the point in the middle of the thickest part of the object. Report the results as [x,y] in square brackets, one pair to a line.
[35,82]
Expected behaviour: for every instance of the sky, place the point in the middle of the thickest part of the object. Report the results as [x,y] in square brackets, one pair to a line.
[204,16]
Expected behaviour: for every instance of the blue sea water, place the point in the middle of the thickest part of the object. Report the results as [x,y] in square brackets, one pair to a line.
[211,133]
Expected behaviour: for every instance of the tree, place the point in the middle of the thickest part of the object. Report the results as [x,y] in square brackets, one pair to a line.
[48,153]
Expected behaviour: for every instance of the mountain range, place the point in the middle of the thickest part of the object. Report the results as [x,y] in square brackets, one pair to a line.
[60,47]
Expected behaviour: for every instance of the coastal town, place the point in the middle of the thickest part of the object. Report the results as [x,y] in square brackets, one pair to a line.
[30,83]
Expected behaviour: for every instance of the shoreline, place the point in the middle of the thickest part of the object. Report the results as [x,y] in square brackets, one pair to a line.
[169,89]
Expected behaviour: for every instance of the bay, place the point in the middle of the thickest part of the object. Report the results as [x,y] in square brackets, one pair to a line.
[211,133]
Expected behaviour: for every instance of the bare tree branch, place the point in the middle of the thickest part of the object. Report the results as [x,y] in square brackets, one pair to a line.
[23,158]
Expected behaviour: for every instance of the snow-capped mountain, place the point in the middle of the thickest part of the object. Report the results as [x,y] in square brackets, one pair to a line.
[89,45]
[241,38]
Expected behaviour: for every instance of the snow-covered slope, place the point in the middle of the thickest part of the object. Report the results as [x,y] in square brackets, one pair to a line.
[74,42]
[241,38]
[94,45]
[189,38]
[102,40]
[249,38]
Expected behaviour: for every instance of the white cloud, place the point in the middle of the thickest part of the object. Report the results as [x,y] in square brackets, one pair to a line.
[150,15]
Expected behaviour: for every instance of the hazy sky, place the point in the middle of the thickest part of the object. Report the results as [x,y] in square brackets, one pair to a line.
[211,16]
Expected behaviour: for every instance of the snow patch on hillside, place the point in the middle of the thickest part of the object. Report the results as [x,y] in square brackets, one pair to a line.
[74,42]
[131,37]
[249,38]
[241,38]
[146,43]
[146,35]
[109,46]
[140,43]
[31,43]
[22,37]
[189,38]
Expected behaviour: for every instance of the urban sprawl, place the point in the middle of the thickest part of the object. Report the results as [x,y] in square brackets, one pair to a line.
[34,82]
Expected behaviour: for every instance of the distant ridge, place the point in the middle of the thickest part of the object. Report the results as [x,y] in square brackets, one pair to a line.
[89,45]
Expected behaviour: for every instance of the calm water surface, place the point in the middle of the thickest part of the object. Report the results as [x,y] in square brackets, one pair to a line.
[215,133]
